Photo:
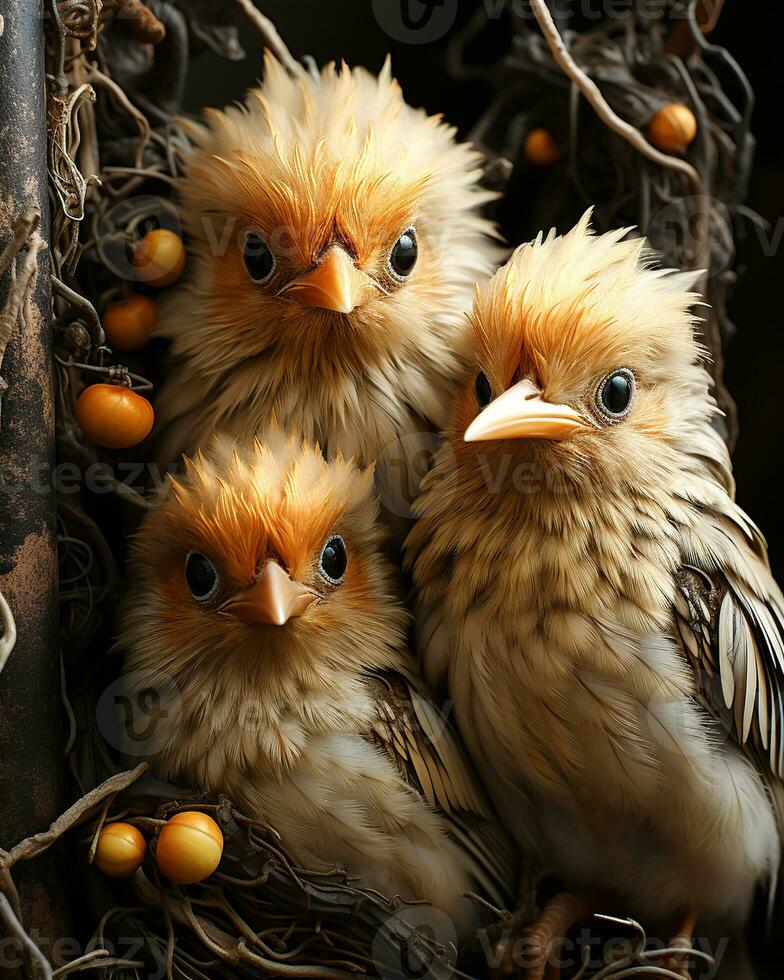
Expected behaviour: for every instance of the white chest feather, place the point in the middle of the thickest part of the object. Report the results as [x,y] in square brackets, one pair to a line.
[573,696]
[338,800]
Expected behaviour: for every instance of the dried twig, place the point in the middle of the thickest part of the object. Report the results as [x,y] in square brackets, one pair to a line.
[8,638]
[27,223]
[143,23]
[270,37]
[82,810]
[39,966]
[23,279]
[600,105]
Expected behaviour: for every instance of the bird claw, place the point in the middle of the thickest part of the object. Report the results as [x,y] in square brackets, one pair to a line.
[526,950]
[678,961]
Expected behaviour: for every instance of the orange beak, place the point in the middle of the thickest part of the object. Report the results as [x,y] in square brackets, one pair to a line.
[335,284]
[522,413]
[274,598]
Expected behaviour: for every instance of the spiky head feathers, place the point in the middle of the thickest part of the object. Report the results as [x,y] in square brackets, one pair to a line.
[324,159]
[276,502]
[566,310]
[568,313]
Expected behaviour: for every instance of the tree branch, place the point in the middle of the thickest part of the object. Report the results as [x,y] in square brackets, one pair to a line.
[270,37]
[600,105]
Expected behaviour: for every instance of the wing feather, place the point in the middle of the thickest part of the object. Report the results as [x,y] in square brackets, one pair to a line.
[429,754]
[730,620]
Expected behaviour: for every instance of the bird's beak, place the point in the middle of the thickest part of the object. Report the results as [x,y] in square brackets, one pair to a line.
[335,284]
[274,598]
[522,413]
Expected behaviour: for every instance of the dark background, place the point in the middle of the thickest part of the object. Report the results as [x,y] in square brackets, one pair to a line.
[348,29]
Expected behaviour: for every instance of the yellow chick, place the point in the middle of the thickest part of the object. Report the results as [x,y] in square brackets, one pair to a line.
[591,597]
[334,237]
[262,610]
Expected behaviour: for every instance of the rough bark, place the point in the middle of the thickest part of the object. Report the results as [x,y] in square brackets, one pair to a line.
[31,767]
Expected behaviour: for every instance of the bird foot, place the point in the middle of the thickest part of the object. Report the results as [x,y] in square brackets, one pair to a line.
[681,945]
[528,951]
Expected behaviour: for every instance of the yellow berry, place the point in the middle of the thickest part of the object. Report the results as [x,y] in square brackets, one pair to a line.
[129,322]
[540,147]
[159,258]
[673,127]
[113,416]
[121,849]
[189,847]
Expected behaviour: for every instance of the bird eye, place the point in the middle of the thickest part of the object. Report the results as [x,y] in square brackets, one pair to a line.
[259,260]
[334,560]
[201,575]
[483,389]
[403,256]
[616,393]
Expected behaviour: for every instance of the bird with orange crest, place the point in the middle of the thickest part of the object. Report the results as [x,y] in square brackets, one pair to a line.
[335,236]
[595,602]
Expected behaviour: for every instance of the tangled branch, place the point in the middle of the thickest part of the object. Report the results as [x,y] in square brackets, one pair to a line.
[270,36]
[601,106]
[625,69]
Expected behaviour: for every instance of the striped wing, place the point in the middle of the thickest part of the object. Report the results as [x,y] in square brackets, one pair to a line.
[729,616]
[429,754]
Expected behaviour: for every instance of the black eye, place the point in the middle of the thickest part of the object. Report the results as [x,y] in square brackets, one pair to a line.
[334,560]
[616,393]
[403,256]
[259,260]
[483,389]
[201,575]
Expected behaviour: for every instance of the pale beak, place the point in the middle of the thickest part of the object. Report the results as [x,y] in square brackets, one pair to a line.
[335,284]
[274,598]
[522,413]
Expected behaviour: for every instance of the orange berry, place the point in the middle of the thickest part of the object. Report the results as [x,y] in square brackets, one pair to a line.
[129,322]
[113,416]
[540,147]
[121,849]
[673,127]
[189,847]
[159,258]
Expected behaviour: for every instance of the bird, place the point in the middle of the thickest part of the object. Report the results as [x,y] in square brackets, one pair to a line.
[594,601]
[334,237]
[262,609]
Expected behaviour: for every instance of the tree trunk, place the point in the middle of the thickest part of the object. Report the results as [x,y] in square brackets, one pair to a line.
[31,728]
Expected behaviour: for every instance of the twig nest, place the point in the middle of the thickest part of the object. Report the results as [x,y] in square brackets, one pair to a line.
[189,847]
[121,849]
[540,148]
[159,259]
[129,322]
[673,127]
[113,416]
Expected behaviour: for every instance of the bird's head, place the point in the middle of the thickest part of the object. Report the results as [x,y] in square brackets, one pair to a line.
[326,216]
[265,563]
[587,366]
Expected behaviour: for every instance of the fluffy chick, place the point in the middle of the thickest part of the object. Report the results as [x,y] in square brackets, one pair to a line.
[334,237]
[262,610]
[601,611]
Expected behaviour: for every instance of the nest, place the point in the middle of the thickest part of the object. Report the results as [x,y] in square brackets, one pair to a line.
[113,163]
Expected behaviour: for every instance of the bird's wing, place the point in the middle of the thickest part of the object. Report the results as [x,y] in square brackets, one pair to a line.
[729,615]
[428,753]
